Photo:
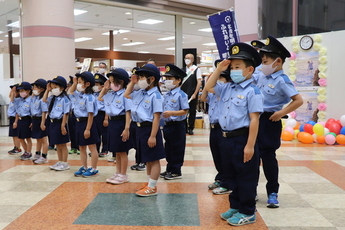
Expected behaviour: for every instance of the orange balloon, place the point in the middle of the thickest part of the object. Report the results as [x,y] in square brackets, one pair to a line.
[287,136]
[297,125]
[340,139]
[320,139]
[305,138]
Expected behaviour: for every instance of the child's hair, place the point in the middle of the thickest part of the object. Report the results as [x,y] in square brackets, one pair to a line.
[119,82]
[88,89]
[272,55]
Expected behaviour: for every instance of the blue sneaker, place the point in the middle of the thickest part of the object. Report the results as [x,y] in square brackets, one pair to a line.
[239,219]
[80,171]
[90,172]
[272,201]
[228,214]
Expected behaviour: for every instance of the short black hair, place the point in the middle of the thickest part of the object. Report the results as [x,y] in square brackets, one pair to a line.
[274,56]
[151,59]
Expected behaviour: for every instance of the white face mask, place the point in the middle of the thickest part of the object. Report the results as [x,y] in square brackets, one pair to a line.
[187,61]
[80,88]
[143,84]
[96,88]
[56,91]
[101,70]
[136,87]
[268,69]
[169,84]
[23,94]
[35,92]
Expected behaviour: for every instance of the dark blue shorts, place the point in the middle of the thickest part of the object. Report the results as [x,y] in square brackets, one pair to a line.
[36,131]
[55,135]
[80,128]
[115,143]
[24,130]
[11,131]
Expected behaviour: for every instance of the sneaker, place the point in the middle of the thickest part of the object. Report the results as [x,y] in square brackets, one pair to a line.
[111,178]
[36,157]
[220,191]
[119,179]
[55,165]
[272,201]
[141,167]
[214,185]
[144,185]
[103,154]
[62,166]
[80,171]
[50,147]
[15,150]
[41,160]
[26,156]
[228,214]
[172,176]
[78,152]
[239,219]
[147,191]
[90,172]
[163,174]
[112,159]
[134,167]
[72,151]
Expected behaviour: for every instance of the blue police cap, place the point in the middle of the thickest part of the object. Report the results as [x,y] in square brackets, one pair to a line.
[61,81]
[24,85]
[257,44]
[174,71]
[274,46]
[100,78]
[134,70]
[120,74]
[87,76]
[244,51]
[225,73]
[150,69]
[41,83]
[15,85]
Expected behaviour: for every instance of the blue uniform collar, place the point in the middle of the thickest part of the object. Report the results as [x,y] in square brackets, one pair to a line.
[243,84]
[277,74]
[174,91]
[119,92]
[151,91]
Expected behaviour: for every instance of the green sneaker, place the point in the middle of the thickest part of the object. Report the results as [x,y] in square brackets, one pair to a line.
[228,214]
[239,219]
[72,151]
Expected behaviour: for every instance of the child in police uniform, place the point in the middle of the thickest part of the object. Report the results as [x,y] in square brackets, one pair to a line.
[240,104]
[277,90]
[117,109]
[219,186]
[175,108]
[23,118]
[85,109]
[58,110]
[146,109]
[72,123]
[39,110]
[11,113]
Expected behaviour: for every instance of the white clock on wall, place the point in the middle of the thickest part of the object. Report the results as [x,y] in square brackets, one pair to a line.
[306,42]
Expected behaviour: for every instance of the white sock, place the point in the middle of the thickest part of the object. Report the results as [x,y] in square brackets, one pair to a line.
[152,183]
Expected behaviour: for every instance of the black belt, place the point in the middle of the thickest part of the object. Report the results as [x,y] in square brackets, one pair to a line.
[25,118]
[268,114]
[120,117]
[215,125]
[52,120]
[101,112]
[79,119]
[10,117]
[143,124]
[236,132]
[36,118]
[168,123]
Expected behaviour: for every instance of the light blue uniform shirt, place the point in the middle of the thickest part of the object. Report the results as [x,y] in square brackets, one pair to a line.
[84,104]
[277,90]
[212,101]
[23,106]
[11,110]
[145,104]
[236,102]
[62,105]
[175,100]
[38,106]
[115,103]
[130,105]
[100,104]
[257,74]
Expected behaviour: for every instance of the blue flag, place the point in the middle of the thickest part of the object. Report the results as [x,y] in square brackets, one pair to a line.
[225,31]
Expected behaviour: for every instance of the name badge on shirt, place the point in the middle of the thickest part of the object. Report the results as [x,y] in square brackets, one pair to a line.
[81,103]
[117,101]
[271,86]
[172,100]
[147,101]
[240,96]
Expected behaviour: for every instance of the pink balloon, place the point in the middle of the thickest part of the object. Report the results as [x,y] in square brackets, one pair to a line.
[293,114]
[293,56]
[330,139]
[289,129]
[322,123]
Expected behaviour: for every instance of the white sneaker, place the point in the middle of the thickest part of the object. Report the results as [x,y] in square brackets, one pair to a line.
[52,167]
[62,167]
[111,159]
[41,160]
[111,178]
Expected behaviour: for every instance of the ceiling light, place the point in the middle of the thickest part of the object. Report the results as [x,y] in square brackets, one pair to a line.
[150,21]
[117,32]
[170,48]
[144,52]
[1,32]
[209,44]
[210,51]
[14,35]
[102,48]
[82,39]
[166,38]
[205,30]
[133,43]
[79,12]
[192,23]
[125,39]
[14,24]
[1,40]
[128,13]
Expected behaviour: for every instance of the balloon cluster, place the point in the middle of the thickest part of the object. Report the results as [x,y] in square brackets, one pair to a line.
[330,132]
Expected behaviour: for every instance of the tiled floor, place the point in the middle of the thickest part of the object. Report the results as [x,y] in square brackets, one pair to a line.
[312,194]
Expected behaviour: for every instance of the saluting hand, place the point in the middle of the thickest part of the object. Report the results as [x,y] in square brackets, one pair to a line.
[107,84]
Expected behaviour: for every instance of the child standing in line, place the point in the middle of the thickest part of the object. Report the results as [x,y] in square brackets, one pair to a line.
[84,110]
[175,108]
[240,105]
[39,111]
[23,119]
[72,123]
[11,113]
[219,187]
[101,120]
[146,109]
[58,110]
[117,109]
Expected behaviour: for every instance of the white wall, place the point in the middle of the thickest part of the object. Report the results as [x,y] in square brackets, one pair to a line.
[125,64]
[5,79]
[246,13]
